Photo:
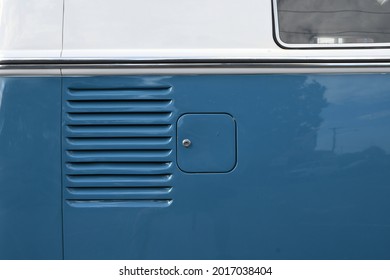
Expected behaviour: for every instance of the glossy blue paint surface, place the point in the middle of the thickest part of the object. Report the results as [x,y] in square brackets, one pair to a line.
[30,168]
[312,178]
[311,181]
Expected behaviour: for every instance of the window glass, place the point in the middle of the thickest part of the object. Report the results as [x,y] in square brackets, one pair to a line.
[333,21]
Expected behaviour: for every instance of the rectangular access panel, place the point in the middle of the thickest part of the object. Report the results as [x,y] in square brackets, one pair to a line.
[206,143]
[298,167]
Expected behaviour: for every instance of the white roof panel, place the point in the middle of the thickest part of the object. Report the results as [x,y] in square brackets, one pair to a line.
[150,29]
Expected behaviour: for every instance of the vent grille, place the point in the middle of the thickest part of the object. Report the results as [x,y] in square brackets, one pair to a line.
[118,147]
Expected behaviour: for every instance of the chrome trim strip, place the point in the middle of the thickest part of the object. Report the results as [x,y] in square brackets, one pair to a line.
[44,72]
[360,63]
[317,46]
[66,62]
[218,71]
[73,68]
[190,69]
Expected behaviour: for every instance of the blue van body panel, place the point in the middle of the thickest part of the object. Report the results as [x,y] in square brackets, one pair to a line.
[311,181]
[30,168]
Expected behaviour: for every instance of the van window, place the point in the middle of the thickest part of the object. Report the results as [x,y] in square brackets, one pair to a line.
[332,21]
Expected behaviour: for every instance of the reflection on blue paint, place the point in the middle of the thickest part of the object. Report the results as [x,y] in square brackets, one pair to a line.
[30,169]
[311,179]
[360,109]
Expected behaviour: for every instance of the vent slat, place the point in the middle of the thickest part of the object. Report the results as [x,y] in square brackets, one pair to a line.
[128,90]
[120,118]
[119,203]
[120,191]
[99,180]
[118,168]
[119,143]
[118,155]
[119,106]
[110,184]
[119,94]
[119,130]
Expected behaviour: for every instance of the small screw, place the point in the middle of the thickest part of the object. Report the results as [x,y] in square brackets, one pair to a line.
[186,143]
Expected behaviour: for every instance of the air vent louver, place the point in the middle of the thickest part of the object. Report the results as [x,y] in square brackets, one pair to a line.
[118,147]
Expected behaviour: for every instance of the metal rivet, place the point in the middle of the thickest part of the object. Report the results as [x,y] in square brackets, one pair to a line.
[186,143]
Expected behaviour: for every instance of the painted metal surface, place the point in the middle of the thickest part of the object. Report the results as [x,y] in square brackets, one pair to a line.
[175,29]
[212,143]
[311,180]
[30,168]
[30,29]
[149,30]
